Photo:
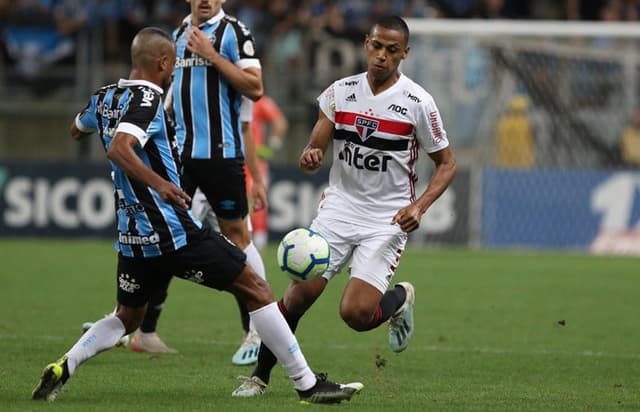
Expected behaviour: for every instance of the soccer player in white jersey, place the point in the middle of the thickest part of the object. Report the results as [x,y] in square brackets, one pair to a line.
[378,121]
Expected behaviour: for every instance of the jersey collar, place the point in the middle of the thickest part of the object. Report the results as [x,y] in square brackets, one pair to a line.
[130,83]
[213,20]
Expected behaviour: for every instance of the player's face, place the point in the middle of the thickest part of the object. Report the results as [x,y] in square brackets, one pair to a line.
[385,49]
[203,10]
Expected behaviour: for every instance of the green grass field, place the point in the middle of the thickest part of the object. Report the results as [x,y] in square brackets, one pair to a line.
[495,332]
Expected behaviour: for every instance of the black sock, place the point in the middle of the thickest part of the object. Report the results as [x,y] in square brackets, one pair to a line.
[154,308]
[244,316]
[266,359]
[391,301]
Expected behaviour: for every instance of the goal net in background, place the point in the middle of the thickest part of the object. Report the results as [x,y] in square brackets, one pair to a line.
[577,82]
[535,111]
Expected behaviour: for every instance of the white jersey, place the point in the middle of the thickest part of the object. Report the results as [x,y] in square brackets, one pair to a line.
[375,146]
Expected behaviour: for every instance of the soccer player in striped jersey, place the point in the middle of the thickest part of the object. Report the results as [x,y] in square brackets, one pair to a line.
[378,121]
[158,237]
[216,65]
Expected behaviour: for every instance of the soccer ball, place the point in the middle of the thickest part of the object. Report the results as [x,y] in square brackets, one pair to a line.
[303,254]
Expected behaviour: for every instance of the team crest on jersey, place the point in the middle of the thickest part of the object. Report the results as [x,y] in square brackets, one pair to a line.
[248,49]
[366,127]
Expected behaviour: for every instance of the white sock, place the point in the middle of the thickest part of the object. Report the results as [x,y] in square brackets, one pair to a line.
[103,335]
[277,335]
[260,239]
[255,260]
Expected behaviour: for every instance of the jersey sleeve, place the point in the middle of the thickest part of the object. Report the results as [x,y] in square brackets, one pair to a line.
[240,47]
[327,102]
[430,131]
[141,118]
[86,121]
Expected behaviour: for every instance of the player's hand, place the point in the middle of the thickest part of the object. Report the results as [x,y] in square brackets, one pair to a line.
[171,193]
[259,196]
[199,43]
[408,218]
[311,159]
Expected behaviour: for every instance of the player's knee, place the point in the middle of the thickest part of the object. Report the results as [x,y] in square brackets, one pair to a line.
[253,291]
[238,234]
[357,318]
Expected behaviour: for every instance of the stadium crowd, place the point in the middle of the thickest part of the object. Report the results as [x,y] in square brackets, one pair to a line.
[34,34]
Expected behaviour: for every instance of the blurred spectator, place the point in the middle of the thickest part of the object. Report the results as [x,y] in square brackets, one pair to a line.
[630,141]
[38,34]
[514,136]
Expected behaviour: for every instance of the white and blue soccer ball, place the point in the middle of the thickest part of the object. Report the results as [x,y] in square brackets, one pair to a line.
[303,254]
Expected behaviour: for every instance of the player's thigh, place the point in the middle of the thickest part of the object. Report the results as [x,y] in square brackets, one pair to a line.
[341,239]
[377,256]
[139,278]
[210,261]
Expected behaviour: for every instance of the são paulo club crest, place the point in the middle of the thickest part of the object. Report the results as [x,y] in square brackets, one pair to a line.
[366,127]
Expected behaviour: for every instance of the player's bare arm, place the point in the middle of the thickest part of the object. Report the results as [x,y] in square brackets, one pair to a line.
[259,188]
[313,154]
[246,81]
[409,217]
[122,154]
[76,133]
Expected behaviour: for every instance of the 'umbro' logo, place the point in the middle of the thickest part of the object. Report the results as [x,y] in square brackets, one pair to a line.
[351,98]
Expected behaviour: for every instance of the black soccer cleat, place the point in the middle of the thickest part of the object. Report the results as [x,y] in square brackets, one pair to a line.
[325,391]
[53,378]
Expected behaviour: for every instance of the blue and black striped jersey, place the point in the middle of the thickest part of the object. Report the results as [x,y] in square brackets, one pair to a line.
[147,225]
[205,106]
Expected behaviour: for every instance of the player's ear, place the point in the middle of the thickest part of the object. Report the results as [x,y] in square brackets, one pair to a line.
[406,52]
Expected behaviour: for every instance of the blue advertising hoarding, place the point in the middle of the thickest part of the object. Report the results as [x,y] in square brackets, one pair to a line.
[557,209]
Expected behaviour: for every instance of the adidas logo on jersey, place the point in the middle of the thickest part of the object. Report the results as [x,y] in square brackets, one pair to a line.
[351,98]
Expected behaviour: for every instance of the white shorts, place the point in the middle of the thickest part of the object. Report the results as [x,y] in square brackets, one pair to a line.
[372,253]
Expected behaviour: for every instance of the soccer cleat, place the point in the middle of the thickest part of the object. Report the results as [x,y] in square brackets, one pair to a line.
[325,391]
[401,323]
[53,378]
[247,353]
[250,387]
[123,342]
[149,343]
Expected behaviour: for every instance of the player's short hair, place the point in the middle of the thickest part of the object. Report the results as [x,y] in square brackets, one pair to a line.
[155,31]
[147,43]
[393,22]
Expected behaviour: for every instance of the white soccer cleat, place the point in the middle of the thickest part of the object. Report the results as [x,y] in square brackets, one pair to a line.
[149,343]
[401,323]
[250,387]
[247,353]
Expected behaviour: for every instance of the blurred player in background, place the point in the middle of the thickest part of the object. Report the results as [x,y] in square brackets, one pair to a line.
[157,236]
[267,117]
[377,121]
